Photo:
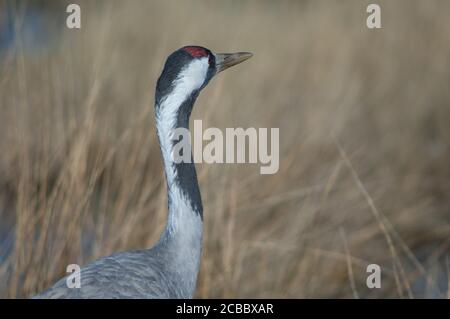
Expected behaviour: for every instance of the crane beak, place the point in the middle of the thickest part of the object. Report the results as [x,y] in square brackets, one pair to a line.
[226,60]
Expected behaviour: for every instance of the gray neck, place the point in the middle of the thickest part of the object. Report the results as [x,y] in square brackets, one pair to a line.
[182,237]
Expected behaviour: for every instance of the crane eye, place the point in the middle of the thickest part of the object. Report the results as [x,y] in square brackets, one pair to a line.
[210,59]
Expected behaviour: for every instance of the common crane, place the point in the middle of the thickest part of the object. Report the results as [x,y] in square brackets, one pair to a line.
[170,268]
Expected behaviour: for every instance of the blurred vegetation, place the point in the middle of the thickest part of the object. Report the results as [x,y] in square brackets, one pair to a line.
[364,130]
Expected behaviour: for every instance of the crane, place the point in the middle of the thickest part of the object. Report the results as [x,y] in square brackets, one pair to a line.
[169,269]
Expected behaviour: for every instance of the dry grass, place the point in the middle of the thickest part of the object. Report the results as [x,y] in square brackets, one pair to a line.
[364,131]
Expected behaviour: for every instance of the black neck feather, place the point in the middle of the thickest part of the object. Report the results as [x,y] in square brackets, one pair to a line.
[185,173]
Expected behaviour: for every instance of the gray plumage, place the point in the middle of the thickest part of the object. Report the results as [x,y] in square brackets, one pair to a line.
[137,274]
[170,268]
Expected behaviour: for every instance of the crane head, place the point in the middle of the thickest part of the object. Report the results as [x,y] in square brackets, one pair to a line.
[192,67]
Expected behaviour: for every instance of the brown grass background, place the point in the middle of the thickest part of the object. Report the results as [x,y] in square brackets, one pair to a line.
[364,145]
